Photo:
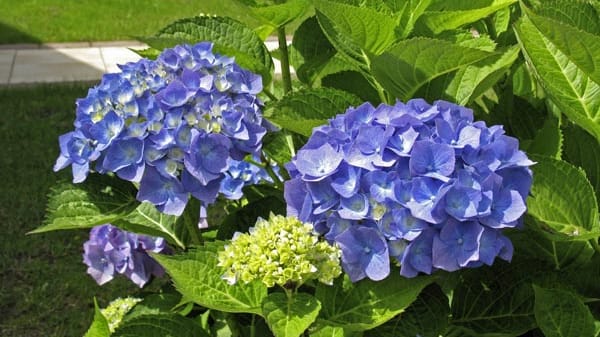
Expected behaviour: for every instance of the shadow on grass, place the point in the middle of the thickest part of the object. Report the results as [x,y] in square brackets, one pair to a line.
[11,35]
[44,288]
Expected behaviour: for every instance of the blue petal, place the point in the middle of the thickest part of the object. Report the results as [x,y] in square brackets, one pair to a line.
[318,163]
[123,153]
[432,160]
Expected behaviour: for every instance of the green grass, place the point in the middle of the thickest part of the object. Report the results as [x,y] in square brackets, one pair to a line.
[34,21]
[44,289]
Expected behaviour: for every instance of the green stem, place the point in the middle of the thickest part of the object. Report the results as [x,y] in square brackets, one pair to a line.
[270,94]
[595,244]
[253,326]
[556,263]
[285,60]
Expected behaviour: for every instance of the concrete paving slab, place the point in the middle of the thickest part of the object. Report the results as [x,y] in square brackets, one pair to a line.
[113,56]
[7,57]
[57,65]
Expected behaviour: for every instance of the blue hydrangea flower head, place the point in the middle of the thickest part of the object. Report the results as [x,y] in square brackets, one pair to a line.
[423,184]
[111,251]
[177,125]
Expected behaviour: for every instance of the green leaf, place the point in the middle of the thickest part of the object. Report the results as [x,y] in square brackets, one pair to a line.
[583,150]
[330,331]
[281,14]
[154,304]
[580,14]
[99,327]
[426,317]
[311,51]
[149,53]
[446,16]
[99,200]
[160,326]
[290,318]
[496,300]
[356,31]
[548,141]
[245,217]
[579,46]
[302,110]
[563,74]
[230,38]
[557,255]
[563,200]
[353,82]
[367,304]
[279,146]
[560,313]
[410,15]
[198,278]
[146,219]
[470,82]
[408,65]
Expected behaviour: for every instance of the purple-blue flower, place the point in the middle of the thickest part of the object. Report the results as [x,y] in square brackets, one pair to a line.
[111,251]
[174,125]
[423,182]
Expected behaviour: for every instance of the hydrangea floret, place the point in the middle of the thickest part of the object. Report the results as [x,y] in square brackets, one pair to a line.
[117,309]
[177,125]
[282,251]
[111,251]
[423,184]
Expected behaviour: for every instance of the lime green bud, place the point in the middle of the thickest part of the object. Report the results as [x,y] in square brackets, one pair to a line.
[117,309]
[281,250]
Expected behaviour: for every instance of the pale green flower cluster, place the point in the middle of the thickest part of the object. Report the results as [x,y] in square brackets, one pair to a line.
[117,309]
[281,250]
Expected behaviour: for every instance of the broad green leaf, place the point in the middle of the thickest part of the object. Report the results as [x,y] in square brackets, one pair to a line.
[329,331]
[563,201]
[198,278]
[367,304]
[558,255]
[583,150]
[302,110]
[99,327]
[567,84]
[580,14]
[548,140]
[281,14]
[155,304]
[230,38]
[160,326]
[149,53]
[245,217]
[445,16]
[580,47]
[290,318]
[500,22]
[470,82]
[426,317]
[279,146]
[410,15]
[99,200]
[146,219]
[311,51]
[410,64]
[353,82]
[560,313]
[496,300]
[356,31]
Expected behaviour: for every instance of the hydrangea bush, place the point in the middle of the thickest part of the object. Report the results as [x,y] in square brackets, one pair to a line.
[428,169]
[422,183]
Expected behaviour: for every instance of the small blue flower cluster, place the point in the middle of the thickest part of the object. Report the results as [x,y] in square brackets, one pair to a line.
[111,250]
[421,183]
[175,125]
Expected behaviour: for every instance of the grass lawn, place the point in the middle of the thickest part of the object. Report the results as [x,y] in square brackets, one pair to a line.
[44,289]
[35,21]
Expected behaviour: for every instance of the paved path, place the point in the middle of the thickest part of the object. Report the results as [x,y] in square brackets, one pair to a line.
[68,62]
